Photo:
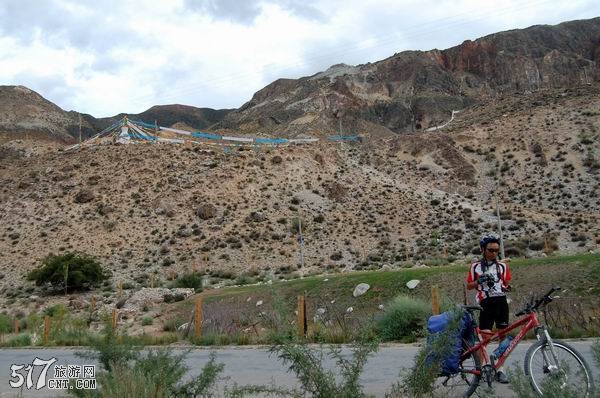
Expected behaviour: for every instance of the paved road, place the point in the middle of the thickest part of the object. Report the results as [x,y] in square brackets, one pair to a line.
[252,365]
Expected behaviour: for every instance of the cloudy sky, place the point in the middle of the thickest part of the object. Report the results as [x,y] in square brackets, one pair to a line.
[108,56]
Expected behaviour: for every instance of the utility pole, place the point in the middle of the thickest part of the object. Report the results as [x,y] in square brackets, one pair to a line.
[341,135]
[499,226]
[80,131]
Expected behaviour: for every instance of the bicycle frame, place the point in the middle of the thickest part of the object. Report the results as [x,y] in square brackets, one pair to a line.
[526,323]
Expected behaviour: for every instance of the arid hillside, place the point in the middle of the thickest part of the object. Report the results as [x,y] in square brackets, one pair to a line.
[151,211]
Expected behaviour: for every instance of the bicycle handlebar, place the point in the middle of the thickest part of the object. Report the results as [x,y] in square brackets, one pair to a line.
[542,301]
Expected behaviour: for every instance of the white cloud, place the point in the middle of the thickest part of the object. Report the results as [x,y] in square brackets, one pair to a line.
[109,57]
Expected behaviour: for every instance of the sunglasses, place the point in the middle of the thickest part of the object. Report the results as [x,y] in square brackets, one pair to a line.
[493,250]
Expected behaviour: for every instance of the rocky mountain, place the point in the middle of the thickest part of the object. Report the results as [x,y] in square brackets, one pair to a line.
[151,212]
[169,115]
[25,113]
[415,90]
[154,211]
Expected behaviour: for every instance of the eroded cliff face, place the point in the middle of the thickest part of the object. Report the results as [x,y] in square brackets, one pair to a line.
[531,58]
[415,90]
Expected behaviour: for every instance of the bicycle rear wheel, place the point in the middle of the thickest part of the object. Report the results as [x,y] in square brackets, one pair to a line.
[465,382]
[568,374]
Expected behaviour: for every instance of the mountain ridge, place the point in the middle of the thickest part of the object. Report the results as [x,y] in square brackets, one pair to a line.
[406,92]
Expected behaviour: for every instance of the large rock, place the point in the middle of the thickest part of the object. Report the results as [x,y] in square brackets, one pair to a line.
[206,211]
[360,289]
[84,196]
[412,284]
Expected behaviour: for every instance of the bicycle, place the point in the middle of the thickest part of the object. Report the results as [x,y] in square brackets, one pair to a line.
[546,360]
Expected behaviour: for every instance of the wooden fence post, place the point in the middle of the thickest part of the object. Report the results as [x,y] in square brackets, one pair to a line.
[198,318]
[16,326]
[435,300]
[301,316]
[46,329]
[93,304]
[114,319]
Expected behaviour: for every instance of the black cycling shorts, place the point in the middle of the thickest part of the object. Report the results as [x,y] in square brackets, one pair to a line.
[495,310]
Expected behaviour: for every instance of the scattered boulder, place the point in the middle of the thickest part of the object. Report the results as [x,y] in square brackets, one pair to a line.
[206,211]
[319,158]
[183,327]
[256,216]
[121,302]
[276,159]
[84,196]
[148,297]
[361,289]
[164,206]
[412,284]
[336,191]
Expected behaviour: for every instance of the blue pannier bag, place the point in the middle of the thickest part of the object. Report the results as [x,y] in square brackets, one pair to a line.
[437,325]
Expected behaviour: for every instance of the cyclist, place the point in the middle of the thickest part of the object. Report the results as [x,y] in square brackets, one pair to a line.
[490,278]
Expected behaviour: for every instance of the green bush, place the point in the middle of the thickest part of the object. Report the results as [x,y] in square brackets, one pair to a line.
[172,324]
[20,340]
[404,319]
[5,324]
[190,280]
[147,320]
[78,270]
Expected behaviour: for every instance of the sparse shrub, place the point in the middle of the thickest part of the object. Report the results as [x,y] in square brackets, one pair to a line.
[319,382]
[157,374]
[147,321]
[244,280]
[20,340]
[403,319]
[172,324]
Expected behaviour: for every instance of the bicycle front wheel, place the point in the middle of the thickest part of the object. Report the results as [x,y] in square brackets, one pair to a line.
[463,383]
[568,374]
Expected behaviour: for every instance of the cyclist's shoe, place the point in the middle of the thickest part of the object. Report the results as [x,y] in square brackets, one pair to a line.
[501,377]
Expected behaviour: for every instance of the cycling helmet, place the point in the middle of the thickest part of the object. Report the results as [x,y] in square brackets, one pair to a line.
[488,239]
